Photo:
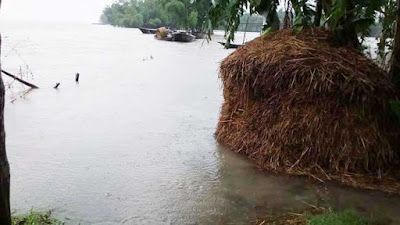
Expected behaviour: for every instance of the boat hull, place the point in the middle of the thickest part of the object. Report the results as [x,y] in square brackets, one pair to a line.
[148,31]
[183,37]
[199,35]
[230,45]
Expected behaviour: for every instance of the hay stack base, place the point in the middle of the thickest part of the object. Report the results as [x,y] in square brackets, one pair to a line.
[300,105]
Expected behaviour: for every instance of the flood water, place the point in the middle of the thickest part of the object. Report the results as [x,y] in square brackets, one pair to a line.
[133,142]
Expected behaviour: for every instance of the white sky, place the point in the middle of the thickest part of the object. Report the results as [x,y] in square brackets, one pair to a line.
[53,10]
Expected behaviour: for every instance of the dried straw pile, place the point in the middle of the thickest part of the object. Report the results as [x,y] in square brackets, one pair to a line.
[299,105]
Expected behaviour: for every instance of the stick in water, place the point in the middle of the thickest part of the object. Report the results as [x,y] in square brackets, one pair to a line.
[20,80]
[77,77]
[57,84]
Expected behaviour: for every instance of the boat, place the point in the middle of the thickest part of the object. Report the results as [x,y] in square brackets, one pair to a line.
[182,37]
[167,38]
[147,30]
[199,35]
[230,45]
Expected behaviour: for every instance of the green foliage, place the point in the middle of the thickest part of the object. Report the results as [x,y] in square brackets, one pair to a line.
[154,22]
[387,18]
[177,13]
[304,13]
[266,31]
[193,19]
[348,217]
[347,19]
[36,218]
[157,13]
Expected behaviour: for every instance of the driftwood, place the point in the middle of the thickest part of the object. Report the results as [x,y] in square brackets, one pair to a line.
[57,84]
[20,80]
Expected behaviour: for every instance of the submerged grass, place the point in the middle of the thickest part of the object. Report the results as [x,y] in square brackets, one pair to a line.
[317,216]
[348,217]
[36,218]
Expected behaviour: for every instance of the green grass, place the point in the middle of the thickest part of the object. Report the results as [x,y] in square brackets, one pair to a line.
[36,218]
[348,217]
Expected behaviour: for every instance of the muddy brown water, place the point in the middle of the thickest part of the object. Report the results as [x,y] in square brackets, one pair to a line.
[133,142]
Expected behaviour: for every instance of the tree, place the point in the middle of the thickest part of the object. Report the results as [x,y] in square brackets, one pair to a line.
[5,215]
[177,13]
[156,13]
[318,13]
[193,17]
[395,64]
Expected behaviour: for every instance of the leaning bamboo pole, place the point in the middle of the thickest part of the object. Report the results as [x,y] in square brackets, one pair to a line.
[20,80]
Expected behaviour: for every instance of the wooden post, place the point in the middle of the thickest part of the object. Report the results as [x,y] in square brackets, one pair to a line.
[77,77]
[57,84]
[5,215]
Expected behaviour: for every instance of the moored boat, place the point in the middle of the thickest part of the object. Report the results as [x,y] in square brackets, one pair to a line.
[182,37]
[199,35]
[147,30]
[230,45]
[167,38]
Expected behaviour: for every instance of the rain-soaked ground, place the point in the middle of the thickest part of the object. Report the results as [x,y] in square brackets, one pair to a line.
[133,142]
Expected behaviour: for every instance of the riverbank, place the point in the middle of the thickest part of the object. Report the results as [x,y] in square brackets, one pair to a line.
[311,216]
[36,218]
[319,216]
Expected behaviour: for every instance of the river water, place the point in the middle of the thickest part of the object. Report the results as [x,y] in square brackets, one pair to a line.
[133,142]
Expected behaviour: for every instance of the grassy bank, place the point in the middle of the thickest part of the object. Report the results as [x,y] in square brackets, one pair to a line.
[318,216]
[312,216]
[36,218]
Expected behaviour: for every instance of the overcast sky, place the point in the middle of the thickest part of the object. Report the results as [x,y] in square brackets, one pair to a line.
[53,10]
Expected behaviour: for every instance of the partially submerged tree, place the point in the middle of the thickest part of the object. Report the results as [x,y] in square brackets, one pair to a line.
[5,215]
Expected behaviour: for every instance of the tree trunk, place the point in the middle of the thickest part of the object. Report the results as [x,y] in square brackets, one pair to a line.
[395,64]
[326,5]
[345,30]
[318,13]
[5,215]
[350,33]
[275,23]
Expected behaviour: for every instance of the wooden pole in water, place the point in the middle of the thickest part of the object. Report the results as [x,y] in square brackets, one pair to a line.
[5,213]
[77,77]
[20,80]
[57,84]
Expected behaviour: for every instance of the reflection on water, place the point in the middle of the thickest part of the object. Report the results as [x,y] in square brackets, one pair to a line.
[133,142]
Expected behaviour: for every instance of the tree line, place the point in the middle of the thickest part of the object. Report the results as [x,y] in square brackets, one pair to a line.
[180,14]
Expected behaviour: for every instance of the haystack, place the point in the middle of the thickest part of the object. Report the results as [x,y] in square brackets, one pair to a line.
[162,32]
[298,104]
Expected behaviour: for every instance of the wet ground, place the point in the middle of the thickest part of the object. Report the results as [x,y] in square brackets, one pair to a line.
[133,142]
